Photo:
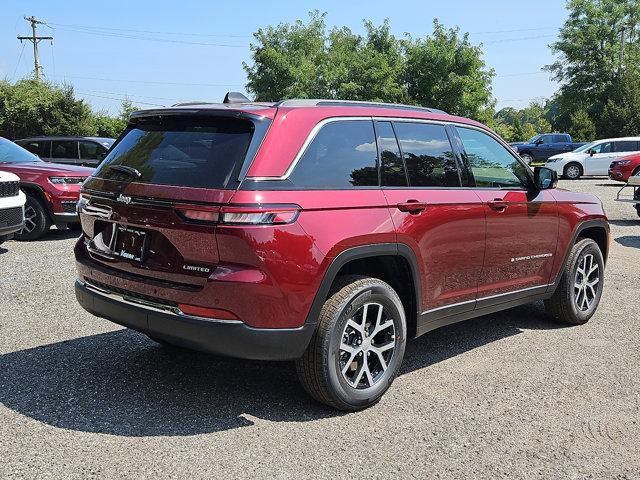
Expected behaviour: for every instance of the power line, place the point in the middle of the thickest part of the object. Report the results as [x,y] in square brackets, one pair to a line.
[513,31]
[152,82]
[187,34]
[19,59]
[150,39]
[119,99]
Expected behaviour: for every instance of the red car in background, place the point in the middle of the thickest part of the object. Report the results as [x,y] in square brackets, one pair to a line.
[624,168]
[52,190]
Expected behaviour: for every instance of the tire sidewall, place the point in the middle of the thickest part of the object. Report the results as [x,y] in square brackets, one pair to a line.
[377,293]
[42,224]
[587,248]
[566,170]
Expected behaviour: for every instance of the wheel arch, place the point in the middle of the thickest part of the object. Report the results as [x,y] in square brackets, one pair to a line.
[394,263]
[597,230]
[37,192]
[573,162]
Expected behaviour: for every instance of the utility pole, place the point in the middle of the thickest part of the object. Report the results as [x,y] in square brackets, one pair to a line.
[35,40]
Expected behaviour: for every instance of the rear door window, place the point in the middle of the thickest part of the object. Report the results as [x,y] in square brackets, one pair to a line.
[42,148]
[342,155]
[64,149]
[205,152]
[427,155]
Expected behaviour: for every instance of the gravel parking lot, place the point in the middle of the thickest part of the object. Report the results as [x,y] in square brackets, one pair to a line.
[510,395]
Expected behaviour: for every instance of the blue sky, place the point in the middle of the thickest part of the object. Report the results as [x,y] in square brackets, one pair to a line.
[198,47]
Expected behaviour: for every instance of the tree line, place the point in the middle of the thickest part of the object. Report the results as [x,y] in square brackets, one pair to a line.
[597,67]
[29,107]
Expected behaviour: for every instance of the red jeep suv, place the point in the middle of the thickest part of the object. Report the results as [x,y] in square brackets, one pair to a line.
[327,232]
[52,190]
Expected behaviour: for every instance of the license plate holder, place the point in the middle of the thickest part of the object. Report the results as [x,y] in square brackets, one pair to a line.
[130,243]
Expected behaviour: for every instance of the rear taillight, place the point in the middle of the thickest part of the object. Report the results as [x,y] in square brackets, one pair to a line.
[239,215]
[258,215]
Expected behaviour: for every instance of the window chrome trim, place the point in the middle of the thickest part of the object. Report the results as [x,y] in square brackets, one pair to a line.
[314,132]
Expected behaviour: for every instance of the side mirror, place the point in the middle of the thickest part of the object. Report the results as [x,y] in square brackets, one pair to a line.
[539,141]
[591,152]
[545,178]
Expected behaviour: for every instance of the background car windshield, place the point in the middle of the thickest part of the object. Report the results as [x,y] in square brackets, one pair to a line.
[534,139]
[12,153]
[586,147]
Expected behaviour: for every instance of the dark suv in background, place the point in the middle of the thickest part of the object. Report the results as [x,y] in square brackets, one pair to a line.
[327,232]
[85,151]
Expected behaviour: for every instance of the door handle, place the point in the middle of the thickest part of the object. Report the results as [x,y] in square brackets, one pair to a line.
[412,206]
[498,204]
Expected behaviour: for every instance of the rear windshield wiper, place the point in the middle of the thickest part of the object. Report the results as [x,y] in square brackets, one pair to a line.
[124,169]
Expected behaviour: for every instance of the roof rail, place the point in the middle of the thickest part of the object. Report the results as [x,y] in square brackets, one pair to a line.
[352,103]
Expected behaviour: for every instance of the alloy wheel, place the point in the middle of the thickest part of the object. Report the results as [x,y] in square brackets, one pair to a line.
[367,346]
[586,282]
[573,171]
[30,217]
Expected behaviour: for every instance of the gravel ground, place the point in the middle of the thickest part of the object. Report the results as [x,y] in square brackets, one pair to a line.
[509,395]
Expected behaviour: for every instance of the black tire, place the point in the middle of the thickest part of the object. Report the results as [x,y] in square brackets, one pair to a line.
[638,209]
[37,221]
[563,305]
[572,171]
[320,369]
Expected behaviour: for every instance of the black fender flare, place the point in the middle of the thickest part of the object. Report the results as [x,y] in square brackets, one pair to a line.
[359,252]
[582,226]
[34,187]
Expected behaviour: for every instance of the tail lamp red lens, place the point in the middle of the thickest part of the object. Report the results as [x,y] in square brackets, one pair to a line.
[258,215]
[240,215]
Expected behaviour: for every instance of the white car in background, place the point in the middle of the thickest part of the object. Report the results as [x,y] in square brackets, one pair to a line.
[11,206]
[593,158]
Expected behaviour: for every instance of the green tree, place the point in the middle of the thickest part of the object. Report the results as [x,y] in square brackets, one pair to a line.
[446,71]
[108,126]
[592,56]
[288,60]
[621,114]
[30,108]
[582,128]
[305,60]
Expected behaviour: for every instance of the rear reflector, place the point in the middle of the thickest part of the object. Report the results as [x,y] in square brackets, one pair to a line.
[206,312]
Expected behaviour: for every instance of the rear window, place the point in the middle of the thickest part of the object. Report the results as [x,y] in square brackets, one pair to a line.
[342,155]
[187,152]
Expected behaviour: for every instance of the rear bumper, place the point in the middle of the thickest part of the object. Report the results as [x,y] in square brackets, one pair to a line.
[221,337]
